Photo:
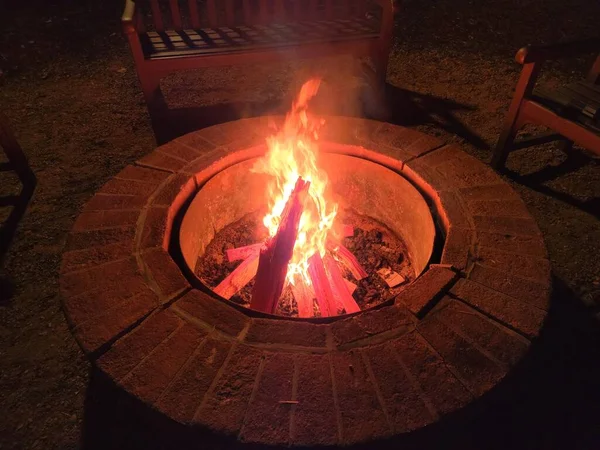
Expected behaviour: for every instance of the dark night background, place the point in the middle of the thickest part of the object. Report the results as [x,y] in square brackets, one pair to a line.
[68,85]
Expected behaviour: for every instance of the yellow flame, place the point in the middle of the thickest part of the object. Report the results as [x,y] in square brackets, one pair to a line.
[292,153]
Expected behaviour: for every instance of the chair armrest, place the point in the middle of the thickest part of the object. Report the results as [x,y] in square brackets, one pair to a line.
[128,17]
[534,54]
[389,6]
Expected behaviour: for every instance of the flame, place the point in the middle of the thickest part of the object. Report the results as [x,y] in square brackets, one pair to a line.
[292,153]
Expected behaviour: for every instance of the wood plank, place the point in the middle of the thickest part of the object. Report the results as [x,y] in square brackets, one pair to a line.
[239,278]
[347,259]
[176,15]
[304,296]
[194,15]
[211,13]
[230,12]
[277,253]
[157,16]
[321,286]
[235,254]
[339,288]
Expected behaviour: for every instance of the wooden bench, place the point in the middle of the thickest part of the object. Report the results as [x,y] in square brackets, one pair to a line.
[572,112]
[172,35]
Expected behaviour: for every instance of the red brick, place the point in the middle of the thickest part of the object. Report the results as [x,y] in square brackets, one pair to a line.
[516,245]
[183,397]
[129,351]
[503,344]
[475,368]
[162,161]
[204,161]
[143,174]
[441,156]
[439,385]
[156,230]
[500,191]
[84,259]
[288,332]
[225,407]
[98,331]
[426,178]
[117,186]
[176,192]
[403,401]
[268,420]
[103,202]
[349,130]
[94,302]
[370,323]
[499,208]
[315,418]
[96,220]
[362,415]
[453,212]
[422,294]
[213,312]
[518,315]
[534,293]
[99,238]
[164,272]
[506,225]
[180,151]
[154,374]
[114,274]
[536,269]
[196,142]
[408,141]
[227,133]
[458,247]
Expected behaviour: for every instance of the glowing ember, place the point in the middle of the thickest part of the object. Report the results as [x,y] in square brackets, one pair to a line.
[292,153]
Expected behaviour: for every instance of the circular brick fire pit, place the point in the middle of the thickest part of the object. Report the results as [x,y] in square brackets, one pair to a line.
[445,340]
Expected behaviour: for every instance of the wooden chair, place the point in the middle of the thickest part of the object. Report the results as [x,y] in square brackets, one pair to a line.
[166,36]
[17,162]
[572,112]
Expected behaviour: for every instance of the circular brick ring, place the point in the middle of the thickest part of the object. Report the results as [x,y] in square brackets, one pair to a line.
[448,337]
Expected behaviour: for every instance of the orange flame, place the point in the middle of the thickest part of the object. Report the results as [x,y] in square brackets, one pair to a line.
[292,153]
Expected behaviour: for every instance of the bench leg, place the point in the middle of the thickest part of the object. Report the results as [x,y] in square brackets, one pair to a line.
[157,106]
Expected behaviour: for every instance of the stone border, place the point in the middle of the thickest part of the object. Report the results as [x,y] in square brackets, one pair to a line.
[448,338]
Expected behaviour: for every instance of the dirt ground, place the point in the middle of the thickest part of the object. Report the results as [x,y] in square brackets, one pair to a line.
[68,85]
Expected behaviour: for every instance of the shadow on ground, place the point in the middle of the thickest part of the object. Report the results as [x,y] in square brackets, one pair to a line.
[551,400]
[574,161]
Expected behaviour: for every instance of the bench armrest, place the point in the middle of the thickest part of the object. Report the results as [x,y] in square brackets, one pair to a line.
[128,17]
[536,54]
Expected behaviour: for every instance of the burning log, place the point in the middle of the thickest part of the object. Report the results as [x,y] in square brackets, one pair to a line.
[339,287]
[347,231]
[323,292]
[239,278]
[276,254]
[350,285]
[348,260]
[304,296]
[234,254]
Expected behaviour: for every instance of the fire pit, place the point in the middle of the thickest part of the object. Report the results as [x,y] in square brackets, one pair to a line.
[302,203]
[143,311]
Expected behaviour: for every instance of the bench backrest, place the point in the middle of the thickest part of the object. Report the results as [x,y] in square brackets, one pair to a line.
[161,15]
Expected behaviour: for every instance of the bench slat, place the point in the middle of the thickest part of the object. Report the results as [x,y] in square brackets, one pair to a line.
[211,12]
[157,16]
[194,16]
[230,13]
[176,15]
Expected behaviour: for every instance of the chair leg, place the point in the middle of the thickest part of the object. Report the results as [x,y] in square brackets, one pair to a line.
[381,61]
[566,146]
[505,142]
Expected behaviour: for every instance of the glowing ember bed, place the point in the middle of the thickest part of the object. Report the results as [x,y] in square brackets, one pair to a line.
[477,295]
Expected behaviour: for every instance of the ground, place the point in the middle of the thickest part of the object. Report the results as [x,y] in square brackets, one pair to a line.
[68,85]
